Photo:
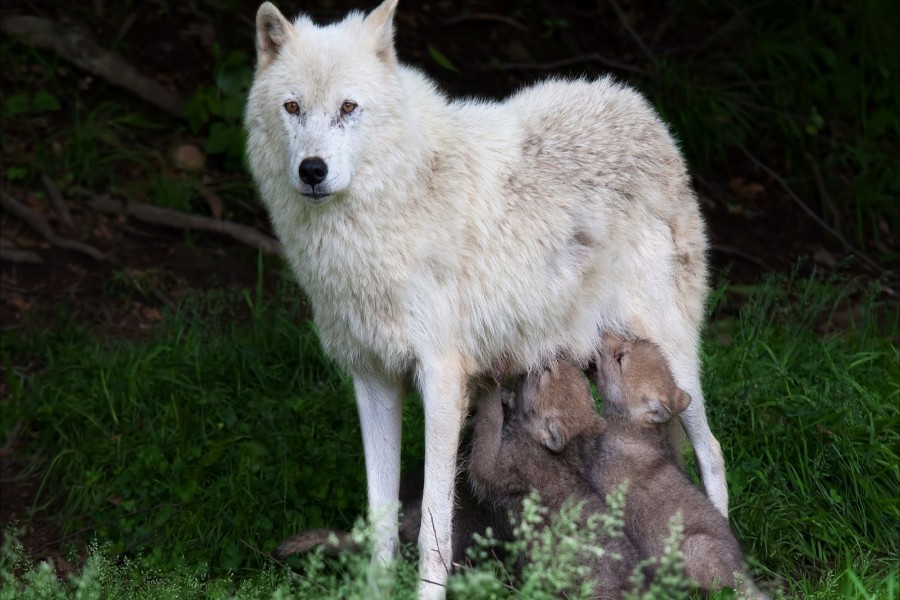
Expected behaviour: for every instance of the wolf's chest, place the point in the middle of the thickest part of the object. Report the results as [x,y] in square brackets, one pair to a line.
[358,288]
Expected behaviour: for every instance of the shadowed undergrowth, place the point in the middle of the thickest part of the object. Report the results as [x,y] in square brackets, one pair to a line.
[225,434]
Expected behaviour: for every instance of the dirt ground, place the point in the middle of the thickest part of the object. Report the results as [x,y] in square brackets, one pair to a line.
[754,226]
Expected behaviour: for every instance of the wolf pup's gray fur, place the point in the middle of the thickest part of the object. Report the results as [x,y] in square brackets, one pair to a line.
[435,237]
[639,397]
[547,444]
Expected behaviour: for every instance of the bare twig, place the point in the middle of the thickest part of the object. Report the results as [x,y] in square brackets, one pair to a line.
[172,218]
[640,42]
[812,215]
[479,16]
[57,201]
[437,542]
[36,222]
[77,46]
[9,251]
[572,60]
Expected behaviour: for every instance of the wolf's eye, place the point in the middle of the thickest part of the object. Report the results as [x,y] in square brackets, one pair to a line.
[348,107]
[292,107]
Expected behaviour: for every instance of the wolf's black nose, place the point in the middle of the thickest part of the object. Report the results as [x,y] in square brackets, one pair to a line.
[313,170]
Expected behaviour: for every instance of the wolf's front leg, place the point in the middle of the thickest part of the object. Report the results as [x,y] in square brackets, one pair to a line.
[379,400]
[443,388]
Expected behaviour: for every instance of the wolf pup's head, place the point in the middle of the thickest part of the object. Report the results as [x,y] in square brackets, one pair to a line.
[316,92]
[636,383]
[555,405]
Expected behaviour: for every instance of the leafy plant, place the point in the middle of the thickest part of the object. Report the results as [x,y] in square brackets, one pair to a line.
[217,110]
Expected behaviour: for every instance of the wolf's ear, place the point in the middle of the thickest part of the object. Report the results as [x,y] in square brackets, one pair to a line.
[381,23]
[553,437]
[679,401]
[657,412]
[272,32]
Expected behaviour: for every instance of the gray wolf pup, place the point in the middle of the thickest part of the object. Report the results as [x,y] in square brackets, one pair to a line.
[435,238]
[639,398]
[548,443]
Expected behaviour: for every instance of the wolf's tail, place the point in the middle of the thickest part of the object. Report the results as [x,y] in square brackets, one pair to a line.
[331,541]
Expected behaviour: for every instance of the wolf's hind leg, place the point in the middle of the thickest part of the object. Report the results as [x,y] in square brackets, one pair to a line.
[710,461]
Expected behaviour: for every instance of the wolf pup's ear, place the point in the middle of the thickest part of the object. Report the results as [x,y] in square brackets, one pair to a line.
[680,401]
[272,32]
[553,437]
[381,23]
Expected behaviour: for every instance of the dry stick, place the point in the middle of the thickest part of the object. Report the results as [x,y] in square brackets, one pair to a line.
[812,215]
[77,47]
[172,218]
[572,60]
[437,542]
[9,251]
[36,222]
[57,201]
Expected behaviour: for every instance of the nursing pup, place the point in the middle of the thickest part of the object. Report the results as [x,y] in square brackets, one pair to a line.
[639,397]
[547,443]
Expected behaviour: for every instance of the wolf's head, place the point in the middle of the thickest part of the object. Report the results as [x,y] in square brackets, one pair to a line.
[316,92]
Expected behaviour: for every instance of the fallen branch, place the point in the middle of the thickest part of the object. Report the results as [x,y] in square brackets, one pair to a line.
[77,47]
[172,218]
[812,215]
[9,251]
[37,222]
[57,201]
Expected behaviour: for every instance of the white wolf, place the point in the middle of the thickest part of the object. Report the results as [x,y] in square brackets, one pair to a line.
[438,238]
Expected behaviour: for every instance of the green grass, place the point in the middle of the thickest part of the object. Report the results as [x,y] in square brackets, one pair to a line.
[229,430]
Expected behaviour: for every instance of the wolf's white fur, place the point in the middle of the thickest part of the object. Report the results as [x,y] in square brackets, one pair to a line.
[456,235]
